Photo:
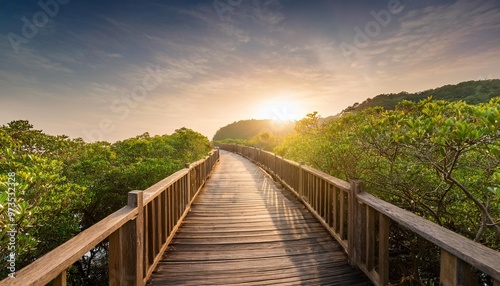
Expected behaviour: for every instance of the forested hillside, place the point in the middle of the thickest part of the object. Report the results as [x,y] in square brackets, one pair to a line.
[247,129]
[53,187]
[471,92]
[264,133]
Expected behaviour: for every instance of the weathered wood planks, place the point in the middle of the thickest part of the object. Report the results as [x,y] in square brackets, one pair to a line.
[243,229]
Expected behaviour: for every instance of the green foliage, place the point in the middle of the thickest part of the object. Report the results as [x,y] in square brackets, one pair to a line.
[264,134]
[64,186]
[45,202]
[471,92]
[438,159]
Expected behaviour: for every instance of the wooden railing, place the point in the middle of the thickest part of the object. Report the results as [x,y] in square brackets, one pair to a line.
[138,233]
[361,222]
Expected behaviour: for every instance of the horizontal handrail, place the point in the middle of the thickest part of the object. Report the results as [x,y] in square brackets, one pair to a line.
[48,267]
[138,233]
[351,216]
[473,253]
[155,190]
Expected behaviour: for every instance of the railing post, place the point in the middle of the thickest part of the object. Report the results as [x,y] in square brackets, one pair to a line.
[383,249]
[126,257]
[454,271]
[188,182]
[301,182]
[353,232]
[60,280]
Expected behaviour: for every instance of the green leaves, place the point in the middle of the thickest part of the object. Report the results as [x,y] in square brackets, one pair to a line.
[439,155]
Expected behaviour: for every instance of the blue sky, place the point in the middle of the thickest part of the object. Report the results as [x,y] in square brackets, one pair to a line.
[114,70]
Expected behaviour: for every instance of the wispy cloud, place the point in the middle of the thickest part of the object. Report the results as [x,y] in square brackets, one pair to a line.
[32,60]
[436,34]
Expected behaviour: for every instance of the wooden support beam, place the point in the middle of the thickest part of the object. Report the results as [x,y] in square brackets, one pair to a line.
[454,271]
[384,224]
[126,247]
[60,280]
[353,226]
[370,238]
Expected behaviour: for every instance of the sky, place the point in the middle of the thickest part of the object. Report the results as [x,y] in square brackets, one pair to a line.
[111,70]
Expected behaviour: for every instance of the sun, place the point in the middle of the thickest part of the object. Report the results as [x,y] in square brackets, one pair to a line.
[280,108]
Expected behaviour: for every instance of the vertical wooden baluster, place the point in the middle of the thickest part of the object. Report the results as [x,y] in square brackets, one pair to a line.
[370,238]
[342,218]
[335,211]
[60,280]
[353,223]
[454,271]
[383,249]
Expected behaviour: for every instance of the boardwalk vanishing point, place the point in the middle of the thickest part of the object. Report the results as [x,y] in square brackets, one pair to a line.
[243,229]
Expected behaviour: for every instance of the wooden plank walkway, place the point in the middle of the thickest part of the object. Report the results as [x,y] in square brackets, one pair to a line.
[245,230]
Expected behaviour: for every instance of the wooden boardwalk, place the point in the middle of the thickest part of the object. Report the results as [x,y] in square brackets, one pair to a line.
[245,230]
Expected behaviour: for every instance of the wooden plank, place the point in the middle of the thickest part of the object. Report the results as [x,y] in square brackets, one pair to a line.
[245,230]
[290,276]
[251,246]
[251,251]
[253,224]
[248,233]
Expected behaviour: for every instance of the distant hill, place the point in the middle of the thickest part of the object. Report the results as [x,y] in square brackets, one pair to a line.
[472,92]
[247,129]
